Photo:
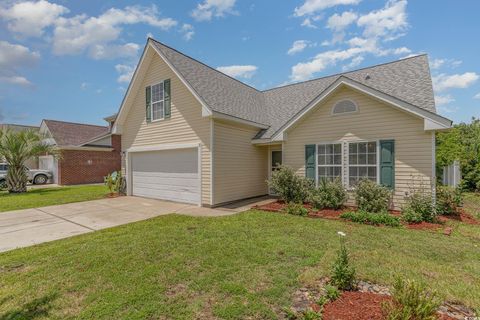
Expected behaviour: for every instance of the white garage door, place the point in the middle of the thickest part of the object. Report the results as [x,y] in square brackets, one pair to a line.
[167,174]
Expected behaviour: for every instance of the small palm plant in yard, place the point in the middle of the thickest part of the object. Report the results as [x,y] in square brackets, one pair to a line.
[16,147]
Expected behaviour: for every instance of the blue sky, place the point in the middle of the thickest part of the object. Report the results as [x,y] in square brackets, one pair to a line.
[72,60]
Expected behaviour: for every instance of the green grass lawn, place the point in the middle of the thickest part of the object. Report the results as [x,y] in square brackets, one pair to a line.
[244,266]
[50,196]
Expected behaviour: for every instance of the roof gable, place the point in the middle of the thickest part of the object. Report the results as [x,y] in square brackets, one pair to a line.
[408,80]
[73,134]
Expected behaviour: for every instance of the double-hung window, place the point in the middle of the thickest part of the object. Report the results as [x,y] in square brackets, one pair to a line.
[329,161]
[362,162]
[158,101]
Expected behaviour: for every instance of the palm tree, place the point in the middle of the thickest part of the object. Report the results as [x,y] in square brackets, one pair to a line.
[16,147]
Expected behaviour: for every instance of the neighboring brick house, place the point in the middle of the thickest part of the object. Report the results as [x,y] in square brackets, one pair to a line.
[88,152]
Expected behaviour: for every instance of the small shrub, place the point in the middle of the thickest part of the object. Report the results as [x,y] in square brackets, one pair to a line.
[372,197]
[448,200]
[289,186]
[115,182]
[331,293]
[343,274]
[418,208]
[296,209]
[375,219]
[311,315]
[328,195]
[412,301]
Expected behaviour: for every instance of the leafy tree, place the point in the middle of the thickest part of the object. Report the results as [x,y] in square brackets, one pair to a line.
[16,147]
[462,143]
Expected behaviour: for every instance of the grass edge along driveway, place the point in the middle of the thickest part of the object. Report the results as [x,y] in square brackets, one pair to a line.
[241,266]
[43,197]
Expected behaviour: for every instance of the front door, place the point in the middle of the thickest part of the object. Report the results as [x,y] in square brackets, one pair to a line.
[276,160]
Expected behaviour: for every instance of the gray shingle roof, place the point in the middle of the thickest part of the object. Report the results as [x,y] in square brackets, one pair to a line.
[407,79]
[73,134]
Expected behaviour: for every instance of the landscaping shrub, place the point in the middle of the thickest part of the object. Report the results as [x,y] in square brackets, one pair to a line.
[331,293]
[418,208]
[372,197]
[328,195]
[448,200]
[296,209]
[115,182]
[289,186]
[412,301]
[371,218]
[343,274]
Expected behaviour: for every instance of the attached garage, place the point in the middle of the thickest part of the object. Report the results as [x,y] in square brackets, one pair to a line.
[172,175]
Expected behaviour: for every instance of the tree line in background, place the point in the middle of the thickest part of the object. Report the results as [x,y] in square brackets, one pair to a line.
[461,143]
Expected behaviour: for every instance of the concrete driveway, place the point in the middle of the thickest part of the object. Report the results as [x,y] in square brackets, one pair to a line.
[22,228]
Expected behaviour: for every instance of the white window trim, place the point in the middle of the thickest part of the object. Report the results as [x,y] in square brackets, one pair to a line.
[341,143]
[153,102]
[344,113]
[347,159]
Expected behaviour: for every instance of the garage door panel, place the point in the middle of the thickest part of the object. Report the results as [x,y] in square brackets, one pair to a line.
[168,195]
[167,174]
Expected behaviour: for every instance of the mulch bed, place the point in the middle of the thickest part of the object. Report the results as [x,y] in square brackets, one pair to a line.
[278,206]
[356,305]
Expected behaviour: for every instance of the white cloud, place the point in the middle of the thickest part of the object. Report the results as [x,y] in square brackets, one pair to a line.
[448,109]
[17,80]
[208,9]
[438,63]
[188,31]
[354,63]
[312,6]
[31,18]
[443,99]
[83,85]
[12,58]
[308,22]
[443,81]
[388,22]
[125,72]
[298,46]
[477,96]
[111,51]
[239,71]
[93,34]
[338,22]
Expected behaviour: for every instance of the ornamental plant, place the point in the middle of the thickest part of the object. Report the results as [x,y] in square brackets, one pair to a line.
[448,200]
[289,186]
[372,197]
[411,301]
[419,207]
[343,274]
[328,195]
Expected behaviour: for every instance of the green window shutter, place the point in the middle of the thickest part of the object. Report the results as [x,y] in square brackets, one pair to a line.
[387,163]
[166,89]
[148,105]
[310,161]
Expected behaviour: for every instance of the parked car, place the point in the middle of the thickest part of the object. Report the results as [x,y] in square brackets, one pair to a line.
[3,182]
[35,176]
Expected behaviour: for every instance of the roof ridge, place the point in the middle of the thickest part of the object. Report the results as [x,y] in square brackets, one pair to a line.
[82,124]
[204,64]
[344,73]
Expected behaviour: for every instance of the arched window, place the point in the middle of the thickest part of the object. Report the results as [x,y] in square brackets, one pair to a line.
[344,106]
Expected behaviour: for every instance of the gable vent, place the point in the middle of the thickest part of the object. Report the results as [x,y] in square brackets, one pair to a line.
[344,106]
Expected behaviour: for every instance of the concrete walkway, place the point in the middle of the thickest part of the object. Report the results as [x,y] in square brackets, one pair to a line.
[23,228]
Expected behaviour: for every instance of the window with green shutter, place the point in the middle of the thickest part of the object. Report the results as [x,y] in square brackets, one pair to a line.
[310,161]
[148,105]
[387,163]
[158,100]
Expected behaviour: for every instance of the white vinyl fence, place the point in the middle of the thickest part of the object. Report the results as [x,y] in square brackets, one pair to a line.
[452,175]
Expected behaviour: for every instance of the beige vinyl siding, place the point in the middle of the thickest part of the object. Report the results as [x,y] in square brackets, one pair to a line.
[186,124]
[240,168]
[375,120]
